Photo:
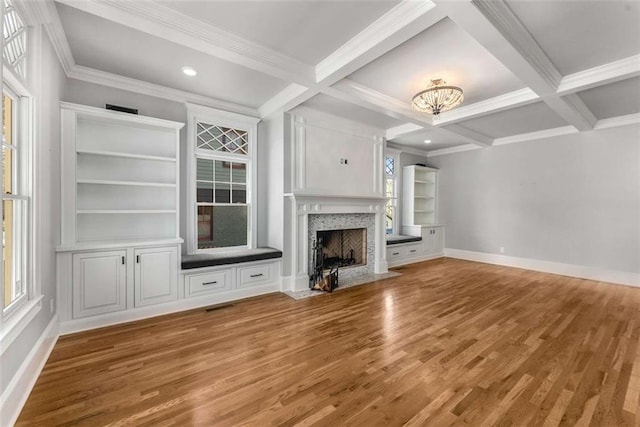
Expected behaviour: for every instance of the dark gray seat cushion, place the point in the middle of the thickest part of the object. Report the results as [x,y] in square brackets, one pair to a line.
[234,257]
[396,239]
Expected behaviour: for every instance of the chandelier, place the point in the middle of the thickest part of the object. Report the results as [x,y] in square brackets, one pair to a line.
[437,98]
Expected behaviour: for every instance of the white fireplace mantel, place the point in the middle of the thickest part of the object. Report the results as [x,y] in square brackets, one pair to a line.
[305,204]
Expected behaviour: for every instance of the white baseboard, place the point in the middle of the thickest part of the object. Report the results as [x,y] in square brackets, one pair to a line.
[18,390]
[581,271]
[79,325]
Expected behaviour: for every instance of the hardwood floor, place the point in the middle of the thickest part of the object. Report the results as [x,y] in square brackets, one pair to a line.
[448,342]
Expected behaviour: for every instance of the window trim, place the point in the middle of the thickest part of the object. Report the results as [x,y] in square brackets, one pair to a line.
[196,113]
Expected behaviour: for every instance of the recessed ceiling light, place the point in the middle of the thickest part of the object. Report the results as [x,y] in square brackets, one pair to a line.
[189,71]
[427,141]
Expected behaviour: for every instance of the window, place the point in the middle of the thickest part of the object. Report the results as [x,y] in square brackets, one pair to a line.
[15,39]
[223,204]
[14,205]
[391,192]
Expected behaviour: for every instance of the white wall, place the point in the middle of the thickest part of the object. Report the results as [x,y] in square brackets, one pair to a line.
[49,82]
[572,199]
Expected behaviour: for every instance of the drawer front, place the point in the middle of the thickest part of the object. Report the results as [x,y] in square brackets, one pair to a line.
[206,283]
[414,250]
[255,275]
[396,252]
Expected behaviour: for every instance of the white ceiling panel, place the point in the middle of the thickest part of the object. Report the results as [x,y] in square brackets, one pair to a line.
[107,46]
[438,138]
[529,118]
[306,30]
[615,99]
[577,35]
[442,51]
[350,111]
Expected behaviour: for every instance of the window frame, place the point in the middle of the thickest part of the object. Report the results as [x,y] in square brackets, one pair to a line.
[16,315]
[198,113]
[395,198]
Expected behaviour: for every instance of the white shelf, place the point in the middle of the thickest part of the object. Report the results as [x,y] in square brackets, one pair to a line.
[120,175]
[126,155]
[136,183]
[124,211]
[419,195]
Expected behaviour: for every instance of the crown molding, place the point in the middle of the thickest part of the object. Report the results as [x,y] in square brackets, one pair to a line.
[452,150]
[507,23]
[489,106]
[547,133]
[404,149]
[91,75]
[626,120]
[403,130]
[600,75]
[288,98]
[45,13]
[161,21]
[402,22]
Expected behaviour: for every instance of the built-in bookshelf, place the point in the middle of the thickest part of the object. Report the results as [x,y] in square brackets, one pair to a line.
[120,177]
[419,195]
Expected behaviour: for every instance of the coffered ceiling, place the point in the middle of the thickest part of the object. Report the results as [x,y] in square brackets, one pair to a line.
[529,69]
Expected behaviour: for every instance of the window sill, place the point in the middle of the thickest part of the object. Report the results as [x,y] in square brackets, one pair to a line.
[13,327]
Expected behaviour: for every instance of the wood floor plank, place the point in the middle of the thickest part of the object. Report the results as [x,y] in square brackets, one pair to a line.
[448,342]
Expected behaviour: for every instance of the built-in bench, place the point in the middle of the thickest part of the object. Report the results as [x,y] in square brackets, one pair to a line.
[224,258]
[396,239]
[226,276]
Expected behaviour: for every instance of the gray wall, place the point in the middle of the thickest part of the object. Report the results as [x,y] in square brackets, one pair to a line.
[571,199]
[49,81]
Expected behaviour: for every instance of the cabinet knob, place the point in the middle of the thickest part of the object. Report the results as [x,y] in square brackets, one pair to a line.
[122,260]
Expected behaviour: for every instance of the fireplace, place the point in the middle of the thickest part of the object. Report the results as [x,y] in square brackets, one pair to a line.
[343,248]
[341,233]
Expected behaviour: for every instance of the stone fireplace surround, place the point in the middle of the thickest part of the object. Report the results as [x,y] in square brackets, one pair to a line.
[310,213]
[322,222]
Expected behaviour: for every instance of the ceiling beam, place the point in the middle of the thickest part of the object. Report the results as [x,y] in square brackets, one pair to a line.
[494,25]
[355,93]
[161,21]
[405,20]
[597,76]
[401,23]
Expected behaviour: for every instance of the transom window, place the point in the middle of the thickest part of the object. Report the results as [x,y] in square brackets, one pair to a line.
[15,39]
[222,139]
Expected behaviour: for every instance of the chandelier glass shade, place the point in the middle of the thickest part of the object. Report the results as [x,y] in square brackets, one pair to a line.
[437,98]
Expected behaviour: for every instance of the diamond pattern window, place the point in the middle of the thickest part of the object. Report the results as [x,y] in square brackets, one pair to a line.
[222,139]
[15,39]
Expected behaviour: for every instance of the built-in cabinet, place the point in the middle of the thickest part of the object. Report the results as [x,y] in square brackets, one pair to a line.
[419,195]
[419,217]
[120,241]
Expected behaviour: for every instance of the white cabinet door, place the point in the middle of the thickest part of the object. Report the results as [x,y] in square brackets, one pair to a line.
[99,283]
[156,275]
[433,240]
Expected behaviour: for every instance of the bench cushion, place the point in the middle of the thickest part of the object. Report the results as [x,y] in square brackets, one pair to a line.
[234,257]
[396,239]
